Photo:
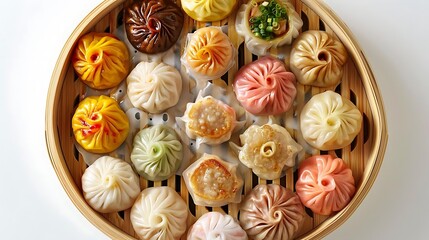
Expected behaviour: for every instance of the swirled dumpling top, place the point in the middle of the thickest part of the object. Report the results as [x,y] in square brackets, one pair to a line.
[271,212]
[267,150]
[329,121]
[215,225]
[265,87]
[266,24]
[159,213]
[157,152]
[317,59]
[209,53]
[101,60]
[325,184]
[110,185]
[99,124]
[213,182]
[208,10]
[154,86]
[153,26]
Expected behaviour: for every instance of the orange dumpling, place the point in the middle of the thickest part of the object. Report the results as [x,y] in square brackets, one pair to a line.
[99,124]
[209,53]
[101,60]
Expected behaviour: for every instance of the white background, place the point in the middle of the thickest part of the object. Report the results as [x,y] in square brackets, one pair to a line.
[393,34]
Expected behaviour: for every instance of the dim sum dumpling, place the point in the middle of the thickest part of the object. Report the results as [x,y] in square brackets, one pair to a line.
[154,86]
[110,185]
[317,59]
[287,29]
[209,53]
[159,213]
[208,10]
[213,182]
[101,60]
[215,225]
[99,124]
[153,26]
[330,121]
[209,120]
[267,150]
[325,184]
[265,87]
[157,152]
[271,212]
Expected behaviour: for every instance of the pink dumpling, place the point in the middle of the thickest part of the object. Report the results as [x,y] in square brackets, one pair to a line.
[265,87]
[325,184]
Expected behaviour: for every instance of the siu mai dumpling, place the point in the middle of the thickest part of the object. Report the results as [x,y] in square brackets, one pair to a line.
[271,212]
[101,60]
[265,87]
[213,182]
[208,10]
[154,86]
[157,152]
[99,124]
[268,150]
[215,225]
[209,120]
[329,121]
[317,59]
[325,184]
[209,53]
[110,185]
[159,213]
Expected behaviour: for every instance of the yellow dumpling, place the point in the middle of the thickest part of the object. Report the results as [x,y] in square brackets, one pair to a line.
[209,53]
[101,60]
[208,10]
[99,124]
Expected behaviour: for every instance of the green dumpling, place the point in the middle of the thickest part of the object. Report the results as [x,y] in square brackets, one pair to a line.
[157,152]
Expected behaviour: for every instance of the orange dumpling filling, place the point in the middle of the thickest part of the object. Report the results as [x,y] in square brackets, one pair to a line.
[101,60]
[99,124]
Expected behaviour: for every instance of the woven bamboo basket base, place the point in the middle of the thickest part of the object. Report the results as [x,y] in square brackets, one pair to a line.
[70,91]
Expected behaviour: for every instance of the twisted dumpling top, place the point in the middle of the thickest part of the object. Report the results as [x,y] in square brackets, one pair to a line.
[265,87]
[330,121]
[208,10]
[208,54]
[215,225]
[101,60]
[325,184]
[317,59]
[271,212]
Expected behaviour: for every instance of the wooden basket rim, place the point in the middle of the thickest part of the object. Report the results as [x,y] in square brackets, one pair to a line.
[325,14]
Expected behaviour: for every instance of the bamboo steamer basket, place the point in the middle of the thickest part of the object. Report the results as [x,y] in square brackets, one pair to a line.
[364,156]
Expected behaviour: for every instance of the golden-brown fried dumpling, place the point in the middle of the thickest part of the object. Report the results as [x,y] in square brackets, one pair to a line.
[213,182]
[317,59]
[329,121]
[209,53]
[271,212]
[101,60]
[208,10]
[99,124]
[209,120]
